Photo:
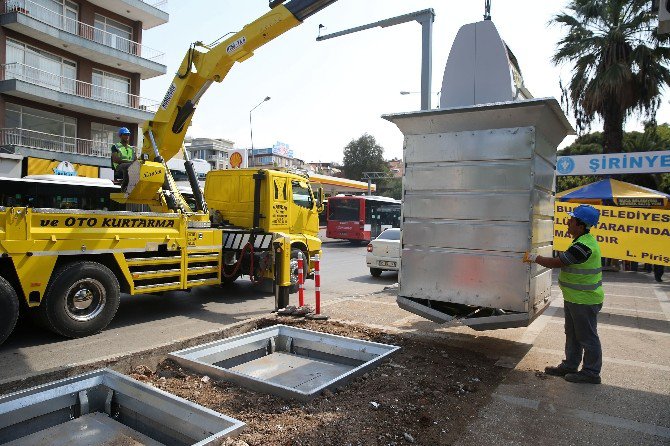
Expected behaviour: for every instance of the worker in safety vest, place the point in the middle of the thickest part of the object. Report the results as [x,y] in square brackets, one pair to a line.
[123,155]
[580,281]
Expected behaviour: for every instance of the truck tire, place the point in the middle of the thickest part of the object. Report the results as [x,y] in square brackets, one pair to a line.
[376,272]
[81,299]
[294,268]
[9,309]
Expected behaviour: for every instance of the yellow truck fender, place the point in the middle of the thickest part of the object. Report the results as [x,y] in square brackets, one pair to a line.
[282,259]
[34,273]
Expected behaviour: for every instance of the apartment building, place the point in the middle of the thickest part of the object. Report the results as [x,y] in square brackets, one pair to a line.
[279,155]
[70,73]
[325,168]
[396,167]
[214,151]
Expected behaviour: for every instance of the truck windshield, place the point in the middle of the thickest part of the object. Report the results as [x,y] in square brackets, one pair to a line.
[301,195]
[344,210]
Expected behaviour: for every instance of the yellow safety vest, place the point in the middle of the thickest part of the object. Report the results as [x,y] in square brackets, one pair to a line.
[125,151]
[583,283]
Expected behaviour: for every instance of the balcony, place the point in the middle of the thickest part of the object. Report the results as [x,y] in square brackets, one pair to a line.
[45,145]
[150,12]
[31,19]
[31,83]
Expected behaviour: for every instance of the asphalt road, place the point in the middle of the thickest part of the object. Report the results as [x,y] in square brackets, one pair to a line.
[148,321]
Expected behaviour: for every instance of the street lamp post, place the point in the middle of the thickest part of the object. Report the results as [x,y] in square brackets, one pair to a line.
[251,129]
[405,93]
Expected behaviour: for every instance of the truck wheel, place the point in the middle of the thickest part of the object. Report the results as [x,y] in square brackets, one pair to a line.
[294,268]
[376,272]
[9,309]
[81,299]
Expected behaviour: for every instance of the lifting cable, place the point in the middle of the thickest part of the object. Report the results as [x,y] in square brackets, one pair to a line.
[189,63]
[238,264]
[191,51]
[221,38]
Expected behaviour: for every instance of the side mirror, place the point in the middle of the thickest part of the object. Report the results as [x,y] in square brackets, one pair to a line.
[319,199]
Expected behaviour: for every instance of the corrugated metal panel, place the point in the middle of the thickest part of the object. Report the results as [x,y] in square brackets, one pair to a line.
[469,176]
[480,235]
[543,173]
[501,144]
[467,206]
[475,199]
[465,277]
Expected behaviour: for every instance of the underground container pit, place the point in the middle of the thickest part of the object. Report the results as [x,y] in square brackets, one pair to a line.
[107,408]
[289,362]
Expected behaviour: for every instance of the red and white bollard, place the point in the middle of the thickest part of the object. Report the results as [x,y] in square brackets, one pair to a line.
[301,281]
[317,283]
[317,291]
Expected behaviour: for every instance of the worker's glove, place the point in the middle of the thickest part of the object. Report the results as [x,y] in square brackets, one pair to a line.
[529,257]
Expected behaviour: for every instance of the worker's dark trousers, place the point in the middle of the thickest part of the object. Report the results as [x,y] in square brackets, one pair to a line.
[658,272]
[581,338]
[121,173]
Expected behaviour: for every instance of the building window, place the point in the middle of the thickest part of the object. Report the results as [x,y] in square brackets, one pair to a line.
[39,67]
[109,87]
[40,121]
[112,33]
[103,134]
[57,13]
[71,14]
[41,129]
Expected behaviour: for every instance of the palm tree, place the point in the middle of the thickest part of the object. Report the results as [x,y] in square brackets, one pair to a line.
[620,63]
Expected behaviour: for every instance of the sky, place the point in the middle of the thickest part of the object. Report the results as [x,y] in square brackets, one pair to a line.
[326,94]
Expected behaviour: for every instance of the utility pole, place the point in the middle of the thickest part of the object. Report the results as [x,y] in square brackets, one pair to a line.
[251,128]
[369,176]
[425,18]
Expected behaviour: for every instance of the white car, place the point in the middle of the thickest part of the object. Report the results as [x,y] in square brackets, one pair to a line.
[384,252]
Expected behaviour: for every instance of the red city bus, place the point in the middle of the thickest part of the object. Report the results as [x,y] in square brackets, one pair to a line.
[361,218]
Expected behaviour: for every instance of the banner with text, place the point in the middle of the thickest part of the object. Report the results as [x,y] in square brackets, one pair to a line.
[614,163]
[638,235]
[39,166]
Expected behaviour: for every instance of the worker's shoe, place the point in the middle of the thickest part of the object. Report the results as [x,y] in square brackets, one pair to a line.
[558,371]
[582,378]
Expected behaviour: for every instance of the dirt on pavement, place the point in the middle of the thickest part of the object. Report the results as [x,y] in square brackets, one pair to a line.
[424,394]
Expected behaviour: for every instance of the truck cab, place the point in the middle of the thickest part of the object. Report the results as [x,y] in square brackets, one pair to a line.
[274,202]
[287,202]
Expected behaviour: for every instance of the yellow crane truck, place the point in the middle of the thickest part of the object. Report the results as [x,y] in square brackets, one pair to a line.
[67,267]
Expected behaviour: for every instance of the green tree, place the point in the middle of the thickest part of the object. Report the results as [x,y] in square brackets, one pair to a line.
[620,63]
[363,155]
[391,188]
[653,138]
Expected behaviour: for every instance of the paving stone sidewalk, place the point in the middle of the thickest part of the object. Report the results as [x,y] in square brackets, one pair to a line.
[631,406]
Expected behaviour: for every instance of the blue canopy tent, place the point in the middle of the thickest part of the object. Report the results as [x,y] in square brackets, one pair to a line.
[609,192]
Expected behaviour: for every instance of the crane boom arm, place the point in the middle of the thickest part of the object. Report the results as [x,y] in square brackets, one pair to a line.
[203,65]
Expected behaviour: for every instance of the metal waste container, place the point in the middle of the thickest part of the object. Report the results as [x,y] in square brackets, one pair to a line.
[478,192]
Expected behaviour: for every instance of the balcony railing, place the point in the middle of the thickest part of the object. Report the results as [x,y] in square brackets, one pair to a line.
[72,26]
[53,143]
[75,87]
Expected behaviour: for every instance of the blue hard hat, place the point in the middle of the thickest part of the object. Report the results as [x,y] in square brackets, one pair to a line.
[124,131]
[586,213]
